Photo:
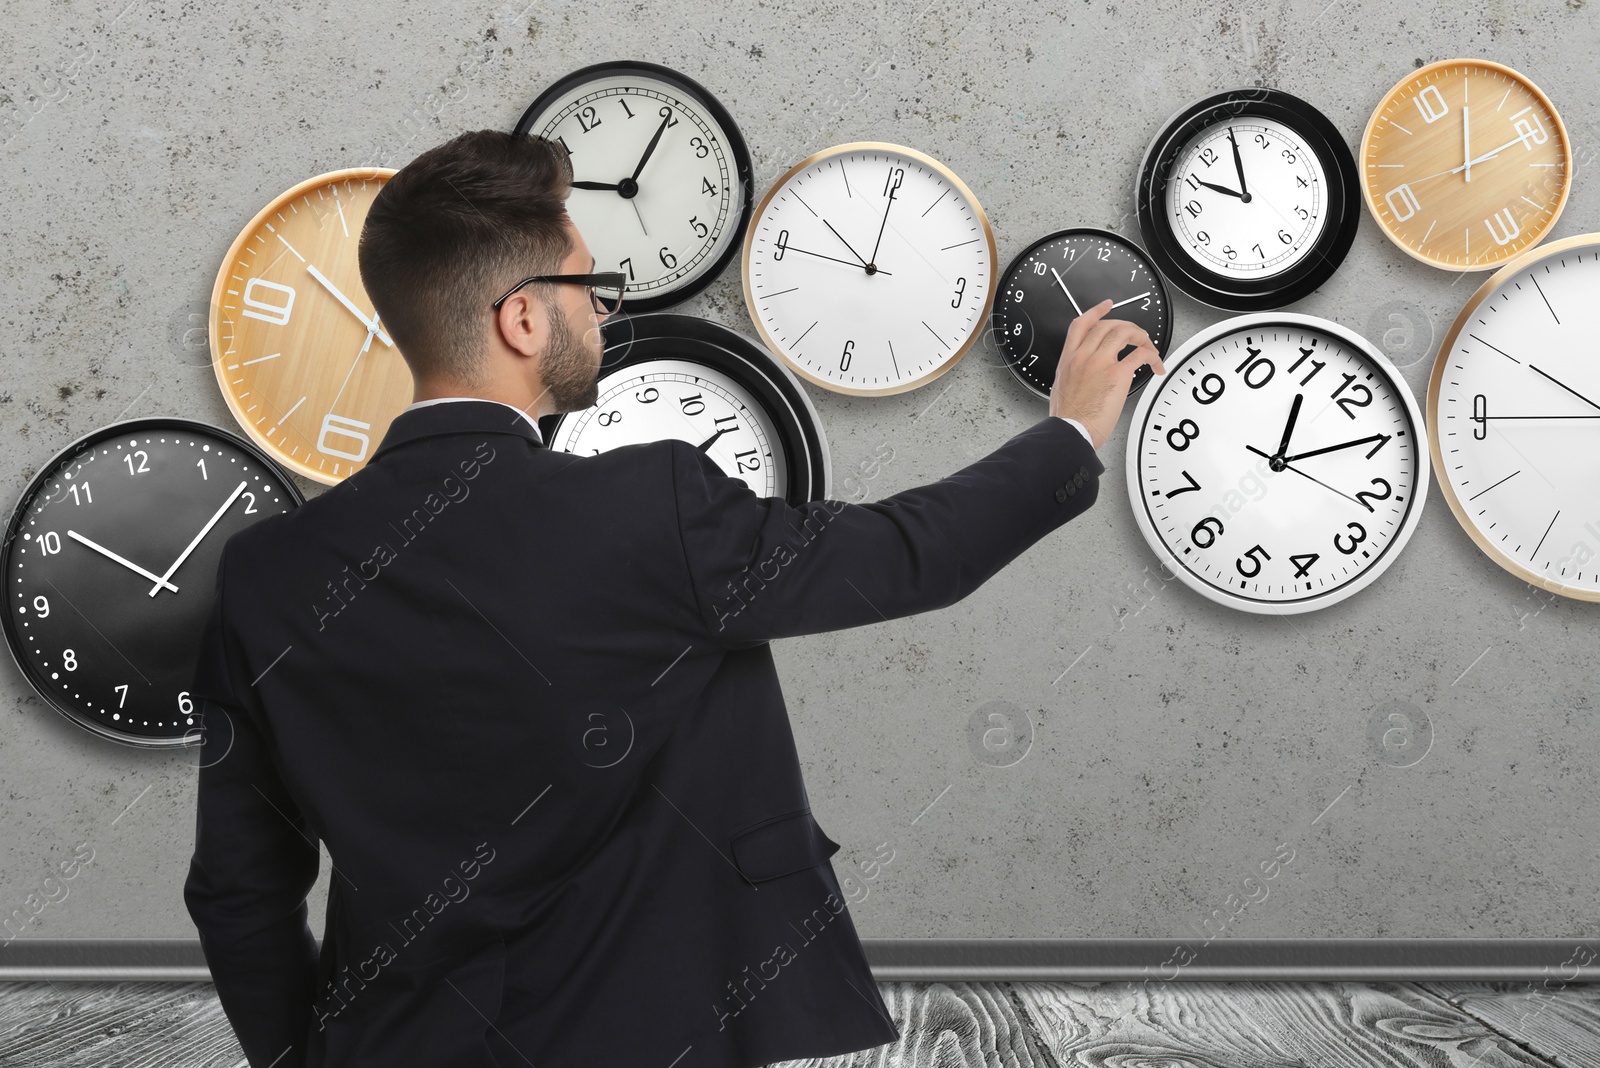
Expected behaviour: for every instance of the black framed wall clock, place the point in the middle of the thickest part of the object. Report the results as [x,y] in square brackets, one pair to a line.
[661,175]
[1248,199]
[110,567]
[1279,465]
[869,268]
[1053,280]
[1513,406]
[664,375]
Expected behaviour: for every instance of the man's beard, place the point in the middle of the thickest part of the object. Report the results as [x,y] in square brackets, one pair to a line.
[570,376]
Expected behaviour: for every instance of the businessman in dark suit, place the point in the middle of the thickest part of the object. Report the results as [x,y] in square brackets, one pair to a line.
[527,698]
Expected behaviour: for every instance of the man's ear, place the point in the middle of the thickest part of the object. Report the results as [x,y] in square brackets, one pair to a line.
[522,324]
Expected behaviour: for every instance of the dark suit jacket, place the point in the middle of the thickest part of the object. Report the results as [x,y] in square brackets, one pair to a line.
[527,700]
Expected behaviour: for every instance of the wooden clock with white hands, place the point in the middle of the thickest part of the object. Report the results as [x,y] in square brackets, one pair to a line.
[301,358]
[110,565]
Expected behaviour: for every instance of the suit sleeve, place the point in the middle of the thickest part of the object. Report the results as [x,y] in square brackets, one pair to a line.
[759,568]
[254,862]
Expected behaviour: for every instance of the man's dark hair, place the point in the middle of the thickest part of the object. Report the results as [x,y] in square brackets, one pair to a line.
[451,231]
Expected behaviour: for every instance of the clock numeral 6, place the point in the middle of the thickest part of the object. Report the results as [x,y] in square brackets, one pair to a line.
[1357,538]
[1178,437]
[961,291]
[668,260]
[844,359]
[345,428]
[1255,561]
[1202,534]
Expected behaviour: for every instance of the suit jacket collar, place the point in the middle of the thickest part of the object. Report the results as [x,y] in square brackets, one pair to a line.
[456,417]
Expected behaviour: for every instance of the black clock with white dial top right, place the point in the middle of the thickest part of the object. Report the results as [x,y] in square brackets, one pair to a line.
[1248,200]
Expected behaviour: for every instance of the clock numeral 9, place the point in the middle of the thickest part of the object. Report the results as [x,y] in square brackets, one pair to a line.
[700,228]
[961,291]
[607,418]
[41,607]
[1202,535]
[668,260]
[648,396]
[782,245]
[1212,391]
[1202,237]
[265,310]
[1253,362]
[1255,561]
[1480,415]
[1178,437]
[844,359]
[1357,538]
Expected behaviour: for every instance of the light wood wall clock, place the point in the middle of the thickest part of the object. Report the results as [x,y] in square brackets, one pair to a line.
[110,561]
[1513,407]
[661,175]
[1465,164]
[303,362]
[1278,466]
[665,375]
[1247,199]
[869,268]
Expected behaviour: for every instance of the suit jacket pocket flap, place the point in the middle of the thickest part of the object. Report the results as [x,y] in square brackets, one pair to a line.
[780,846]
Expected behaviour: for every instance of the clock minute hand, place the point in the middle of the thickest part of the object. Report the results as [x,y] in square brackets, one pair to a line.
[1062,283]
[1566,387]
[1341,445]
[129,564]
[370,324]
[597,185]
[1238,166]
[847,244]
[651,147]
[197,538]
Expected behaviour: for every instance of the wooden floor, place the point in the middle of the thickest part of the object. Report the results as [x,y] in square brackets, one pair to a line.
[982,1025]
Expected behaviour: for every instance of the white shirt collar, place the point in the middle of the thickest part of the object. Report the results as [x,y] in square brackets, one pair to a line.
[440,400]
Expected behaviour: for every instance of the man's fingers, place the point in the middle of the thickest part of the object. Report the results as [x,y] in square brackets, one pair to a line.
[1145,354]
[1082,323]
[1115,335]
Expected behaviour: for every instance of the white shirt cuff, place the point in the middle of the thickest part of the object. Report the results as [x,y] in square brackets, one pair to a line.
[1081,429]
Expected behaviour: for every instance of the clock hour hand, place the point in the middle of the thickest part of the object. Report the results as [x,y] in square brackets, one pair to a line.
[1120,303]
[1238,166]
[706,444]
[1302,474]
[892,191]
[847,244]
[1466,144]
[651,147]
[197,538]
[1379,438]
[370,324]
[1288,428]
[1224,189]
[596,185]
[129,564]
[1068,292]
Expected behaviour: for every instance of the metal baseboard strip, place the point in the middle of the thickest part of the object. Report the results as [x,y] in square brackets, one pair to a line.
[1553,961]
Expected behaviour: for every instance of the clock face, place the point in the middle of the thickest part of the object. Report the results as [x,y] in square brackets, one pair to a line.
[110,569]
[1513,405]
[1465,164]
[304,364]
[1247,199]
[869,268]
[692,402]
[661,176]
[1257,213]
[1278,466]
[1052,281]
[677,376]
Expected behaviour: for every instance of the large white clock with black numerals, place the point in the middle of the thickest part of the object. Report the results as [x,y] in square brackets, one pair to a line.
[869,268]
[661,175]
[1513,416]
[1279,465]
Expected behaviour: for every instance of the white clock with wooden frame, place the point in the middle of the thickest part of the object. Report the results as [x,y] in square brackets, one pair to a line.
[869,268]
[1465,164]
[301,358]
[1513,406]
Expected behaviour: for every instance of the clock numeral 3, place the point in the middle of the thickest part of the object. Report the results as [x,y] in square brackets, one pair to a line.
[1356,539]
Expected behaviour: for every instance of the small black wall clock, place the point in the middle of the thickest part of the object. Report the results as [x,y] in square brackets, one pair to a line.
[1052,281]
[1248,199]
[110,566]
[661,175]
[664,375]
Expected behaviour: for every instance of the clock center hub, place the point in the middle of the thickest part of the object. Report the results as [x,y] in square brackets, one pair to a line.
[1244,198]
[628,189]
[872,268]
[1278,463]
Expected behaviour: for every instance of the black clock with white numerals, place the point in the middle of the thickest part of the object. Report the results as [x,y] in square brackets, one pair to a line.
[1279,465]
[664,375]
[1052,282]
[661,175]
[1248,199]
[110,566]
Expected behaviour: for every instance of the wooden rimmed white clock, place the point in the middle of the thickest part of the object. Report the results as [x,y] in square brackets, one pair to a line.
[304,364]
[1513,407]
[1465,164]
[869,268]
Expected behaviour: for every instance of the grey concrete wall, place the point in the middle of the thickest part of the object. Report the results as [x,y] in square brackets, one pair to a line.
[1174,744]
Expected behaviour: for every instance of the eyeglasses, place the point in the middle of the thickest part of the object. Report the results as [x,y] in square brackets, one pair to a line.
[616,280]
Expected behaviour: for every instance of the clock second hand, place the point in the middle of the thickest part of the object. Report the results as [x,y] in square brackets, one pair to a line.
[196,541]
[370,333]
[1296,470]
[129,564]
